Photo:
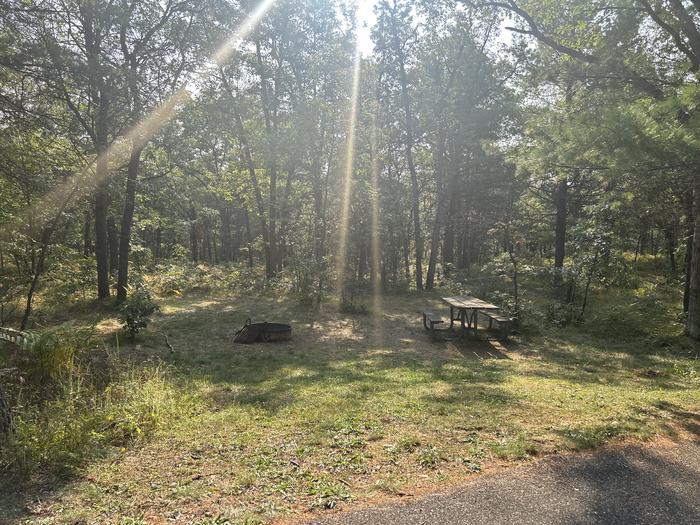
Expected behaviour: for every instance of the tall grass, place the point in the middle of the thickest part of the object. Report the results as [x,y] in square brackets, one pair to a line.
[80,402]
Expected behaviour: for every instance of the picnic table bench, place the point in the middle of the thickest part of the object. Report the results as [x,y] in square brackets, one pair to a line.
[22,339]
[430,319]
[466,310]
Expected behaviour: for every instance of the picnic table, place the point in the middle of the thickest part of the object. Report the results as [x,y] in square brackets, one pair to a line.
[465,309]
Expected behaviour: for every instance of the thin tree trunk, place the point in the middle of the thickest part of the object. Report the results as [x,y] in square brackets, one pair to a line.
[194,235]
[101,240]
[38,270]
[113,239]
[693,322]
[269,113]
[406,252]
[440,212]
[690,220]
[99,95]
[127,222]
[560,199]
[408,148]
[249,237]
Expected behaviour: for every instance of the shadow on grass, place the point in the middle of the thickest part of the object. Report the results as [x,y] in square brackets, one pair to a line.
[687,420]
[329,352]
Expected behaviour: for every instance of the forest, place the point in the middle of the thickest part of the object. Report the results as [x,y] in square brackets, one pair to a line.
[170,168]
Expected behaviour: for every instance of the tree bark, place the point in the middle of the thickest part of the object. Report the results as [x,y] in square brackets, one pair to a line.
[560,198]
[690,221]
[127,222]
[38,270]
[113,240]
[440,212]
[448,246]
[101,240]
[693,321]
[99,95]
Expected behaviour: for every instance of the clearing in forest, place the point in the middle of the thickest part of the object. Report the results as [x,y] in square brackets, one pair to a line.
[354,408]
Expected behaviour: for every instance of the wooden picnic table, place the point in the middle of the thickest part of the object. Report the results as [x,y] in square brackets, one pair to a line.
[467,310]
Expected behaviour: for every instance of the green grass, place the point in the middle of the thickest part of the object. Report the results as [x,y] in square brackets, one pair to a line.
[359,405]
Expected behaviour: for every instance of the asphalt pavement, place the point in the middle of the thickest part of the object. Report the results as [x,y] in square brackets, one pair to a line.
[632,484]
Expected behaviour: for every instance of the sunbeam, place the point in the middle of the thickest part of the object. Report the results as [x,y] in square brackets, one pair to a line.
[83,182]
[375,244]
[341,262]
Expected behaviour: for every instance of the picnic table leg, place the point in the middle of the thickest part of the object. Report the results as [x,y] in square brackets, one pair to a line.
[476,321]
[452,316]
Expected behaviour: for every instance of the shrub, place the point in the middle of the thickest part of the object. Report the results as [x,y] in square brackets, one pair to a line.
[136,311]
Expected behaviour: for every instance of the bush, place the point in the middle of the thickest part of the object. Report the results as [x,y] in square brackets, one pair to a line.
[136,311]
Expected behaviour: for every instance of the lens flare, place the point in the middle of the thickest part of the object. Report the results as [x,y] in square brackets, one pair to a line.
[83,182]
[341,260]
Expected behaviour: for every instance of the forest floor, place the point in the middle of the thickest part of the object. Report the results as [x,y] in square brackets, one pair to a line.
[359,408]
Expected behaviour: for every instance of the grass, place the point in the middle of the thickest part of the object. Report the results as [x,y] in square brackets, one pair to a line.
[362,405]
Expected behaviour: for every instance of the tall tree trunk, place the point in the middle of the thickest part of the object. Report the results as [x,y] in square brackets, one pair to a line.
[127,222]
[99,93]
[408,148]
[250,165]
[693,322]
[194,235]
[406,253]
[415,207]
[690,221]
[448,249]
[440,212]
[113,246]
[249,237]
[285,217]
[269,112]
[38,270]
[248,157]
[560,199]
[101,241]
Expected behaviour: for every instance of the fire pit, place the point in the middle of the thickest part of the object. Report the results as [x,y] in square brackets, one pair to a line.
[263,332]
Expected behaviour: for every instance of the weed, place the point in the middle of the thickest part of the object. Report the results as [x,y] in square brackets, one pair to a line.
[429,457]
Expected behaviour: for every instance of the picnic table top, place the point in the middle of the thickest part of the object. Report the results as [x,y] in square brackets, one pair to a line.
[467,301]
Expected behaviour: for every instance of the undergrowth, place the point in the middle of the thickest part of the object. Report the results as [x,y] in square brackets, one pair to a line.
[74,400]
